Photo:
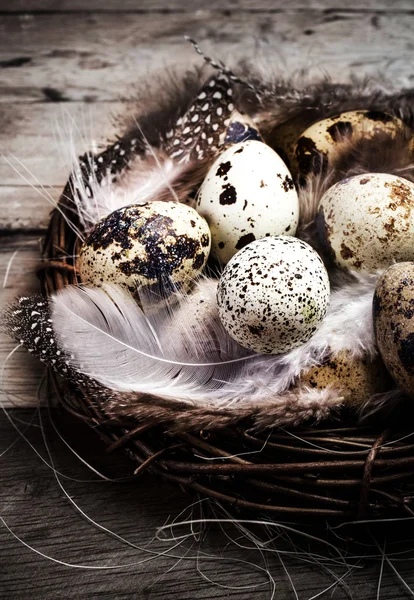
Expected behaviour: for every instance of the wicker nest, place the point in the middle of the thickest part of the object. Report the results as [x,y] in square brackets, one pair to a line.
[336,469]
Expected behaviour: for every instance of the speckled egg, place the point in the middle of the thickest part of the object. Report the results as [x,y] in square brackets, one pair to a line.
[320,144]
[393,311]
[357,379]
[273,294]
[248,194]
[283,137]
[146,244]
[366,222]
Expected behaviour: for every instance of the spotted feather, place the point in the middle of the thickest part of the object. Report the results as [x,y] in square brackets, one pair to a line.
[28,321]
[197,135]
[95,172]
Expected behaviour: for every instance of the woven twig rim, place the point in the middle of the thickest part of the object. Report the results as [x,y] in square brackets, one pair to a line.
[331,472]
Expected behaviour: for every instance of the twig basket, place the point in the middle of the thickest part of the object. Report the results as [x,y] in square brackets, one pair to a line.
[335,470]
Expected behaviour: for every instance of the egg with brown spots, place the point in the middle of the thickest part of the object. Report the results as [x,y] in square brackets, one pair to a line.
[366,222]
[356,379]
[321,144]
[283,137]
[393,312]
[248,194]
[152,244]
[273,294]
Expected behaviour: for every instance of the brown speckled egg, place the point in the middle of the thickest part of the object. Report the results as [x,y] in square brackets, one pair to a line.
[320,145]
[146,244]
[273,294]
[356,378]
[393,310]
[366,222]
[283,137]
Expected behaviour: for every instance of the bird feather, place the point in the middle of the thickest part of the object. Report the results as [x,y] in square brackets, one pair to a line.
[111,339]
[169,354]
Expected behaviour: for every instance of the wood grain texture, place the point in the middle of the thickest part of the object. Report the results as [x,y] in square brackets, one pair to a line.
[145,6]
[98,56]
[40,138]
[68,68]
[19,257]
[35,508]
[27,208]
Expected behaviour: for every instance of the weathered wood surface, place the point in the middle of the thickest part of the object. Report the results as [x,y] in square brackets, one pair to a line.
[42,136]
[19,257]
[168,6]
[76,59]
[69,65]
[35,508]
[97,56]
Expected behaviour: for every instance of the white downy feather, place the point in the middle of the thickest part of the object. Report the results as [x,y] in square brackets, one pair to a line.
[149,177]
[112,340]
[170,355]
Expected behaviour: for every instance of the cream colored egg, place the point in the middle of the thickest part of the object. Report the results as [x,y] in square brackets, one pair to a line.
[357,379]
[321,144]
[273,294]
[366,222]
[151,244]
[248,194]
[393,310]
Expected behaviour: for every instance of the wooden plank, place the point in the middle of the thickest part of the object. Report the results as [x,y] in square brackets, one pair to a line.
[35,508]
[19,256]
[215,5]
[44,137]
[31,134]
[39,138]
[100,57]
[25,208]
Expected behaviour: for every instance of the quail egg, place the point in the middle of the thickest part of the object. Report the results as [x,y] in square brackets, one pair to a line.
[321,143]
[393,312]
[147,244]
[248,194]
[366,222]
[273,294]
[356,378]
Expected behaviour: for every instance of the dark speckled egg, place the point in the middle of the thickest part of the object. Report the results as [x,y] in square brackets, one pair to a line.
[393,310]
[321,144]
[355,378]
[273,294]
[146,244]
